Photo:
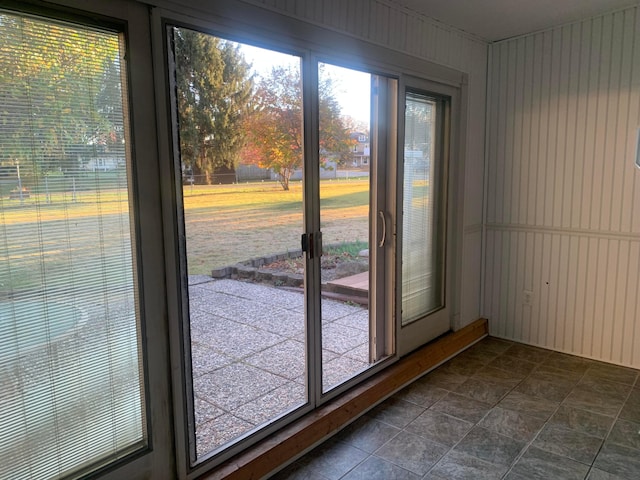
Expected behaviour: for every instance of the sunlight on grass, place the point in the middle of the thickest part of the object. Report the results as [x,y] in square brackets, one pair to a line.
[225,224]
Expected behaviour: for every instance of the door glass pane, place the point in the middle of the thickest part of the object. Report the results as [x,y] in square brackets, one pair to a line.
[422,251]
[239,111]
[71,382]
[345,165]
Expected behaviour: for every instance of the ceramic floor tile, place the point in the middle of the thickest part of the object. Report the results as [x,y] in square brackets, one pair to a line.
[412,452]
[550,372]
[462,407]
[626,433]
[367,434]
[612,373]
[619,460]
[374,468]
[597,474]
[539,387]
[512,364]
[439,428]
[463,366]
[494,344]
[533,406]
[421,393]
[486,392]
[570,363]
[478,354]
[502,377]
[460,466]
[333,459]
[490,446]
[528,353]
[443,379]
[617,391]
[631,409]
[396,412]
[565,405]
[587,398]
[591,423]
[512,424]
[568,443]
[540,465]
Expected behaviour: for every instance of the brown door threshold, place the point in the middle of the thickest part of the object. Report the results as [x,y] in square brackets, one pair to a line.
[293,440]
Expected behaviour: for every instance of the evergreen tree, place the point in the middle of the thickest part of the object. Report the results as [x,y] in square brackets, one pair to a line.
[214,88]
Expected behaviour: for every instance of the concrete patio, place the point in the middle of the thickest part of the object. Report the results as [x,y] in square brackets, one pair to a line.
[248,354]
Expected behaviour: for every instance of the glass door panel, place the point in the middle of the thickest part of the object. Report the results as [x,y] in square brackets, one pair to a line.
[345,213]
[239,111]
[423,255]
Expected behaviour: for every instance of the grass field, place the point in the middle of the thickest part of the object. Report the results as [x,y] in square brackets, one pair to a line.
[229,224]
[49,243]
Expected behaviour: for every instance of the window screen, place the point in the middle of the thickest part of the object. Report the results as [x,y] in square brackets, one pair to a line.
[71,395]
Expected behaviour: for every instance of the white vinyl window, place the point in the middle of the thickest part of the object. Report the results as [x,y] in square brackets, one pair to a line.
[71,373]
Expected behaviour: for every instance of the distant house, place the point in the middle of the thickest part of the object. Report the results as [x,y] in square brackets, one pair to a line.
[104,162]
[361,149]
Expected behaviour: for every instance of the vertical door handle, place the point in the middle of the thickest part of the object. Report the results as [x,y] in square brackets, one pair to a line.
[384,229]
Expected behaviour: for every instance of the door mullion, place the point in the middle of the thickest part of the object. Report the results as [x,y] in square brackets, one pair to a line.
[311,195]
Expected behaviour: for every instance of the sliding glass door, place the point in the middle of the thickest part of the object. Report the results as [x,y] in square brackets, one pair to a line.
[280,189]
[306,229]
[423,302]
[240,137]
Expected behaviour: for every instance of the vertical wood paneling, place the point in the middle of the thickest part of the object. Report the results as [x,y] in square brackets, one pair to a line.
[563,196]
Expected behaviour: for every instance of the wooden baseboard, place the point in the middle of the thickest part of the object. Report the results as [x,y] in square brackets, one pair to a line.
[280,448]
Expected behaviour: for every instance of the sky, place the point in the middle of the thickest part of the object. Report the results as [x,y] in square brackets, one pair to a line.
[352,87]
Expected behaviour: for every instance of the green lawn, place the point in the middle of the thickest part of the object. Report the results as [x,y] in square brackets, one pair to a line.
[225,224]
[229,224]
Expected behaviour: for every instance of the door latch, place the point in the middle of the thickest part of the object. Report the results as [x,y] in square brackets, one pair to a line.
[307,244]
[312,244]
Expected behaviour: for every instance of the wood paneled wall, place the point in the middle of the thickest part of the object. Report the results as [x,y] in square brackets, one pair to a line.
[563,195]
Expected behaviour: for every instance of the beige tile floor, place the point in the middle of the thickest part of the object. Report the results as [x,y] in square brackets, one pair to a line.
[500,410]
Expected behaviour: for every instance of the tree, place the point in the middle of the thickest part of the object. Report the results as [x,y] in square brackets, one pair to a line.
[274,125]
[335,139]
[214,88]
[51,78]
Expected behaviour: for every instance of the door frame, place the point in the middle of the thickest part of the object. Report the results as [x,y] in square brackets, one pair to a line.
[250,24]
[433,324]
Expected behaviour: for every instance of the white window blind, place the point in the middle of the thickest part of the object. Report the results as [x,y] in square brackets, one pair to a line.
[422,261]
[71,384]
